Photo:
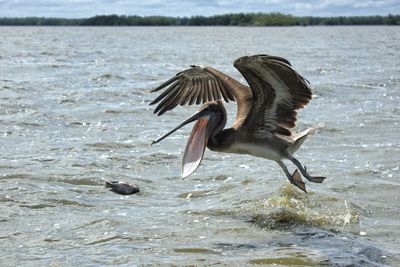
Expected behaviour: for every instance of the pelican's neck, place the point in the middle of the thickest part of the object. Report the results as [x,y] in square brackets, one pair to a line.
[222,140]
[219,137]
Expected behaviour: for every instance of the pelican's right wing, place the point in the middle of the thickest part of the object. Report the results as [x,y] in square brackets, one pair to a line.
[278,92]
[197,85]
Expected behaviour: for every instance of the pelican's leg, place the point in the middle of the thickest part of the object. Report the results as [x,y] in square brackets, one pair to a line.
[315,179]
[295,178]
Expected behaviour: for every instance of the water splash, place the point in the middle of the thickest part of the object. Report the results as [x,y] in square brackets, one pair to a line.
[291,207]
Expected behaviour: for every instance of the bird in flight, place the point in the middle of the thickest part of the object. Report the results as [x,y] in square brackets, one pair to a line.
[266,111]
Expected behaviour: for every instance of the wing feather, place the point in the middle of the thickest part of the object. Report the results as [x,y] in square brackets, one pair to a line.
[195,93]
[205,91]
[188,96]
[199,93]
[209,90]
[223,92]
[171,100]
[165,84]
[165,93]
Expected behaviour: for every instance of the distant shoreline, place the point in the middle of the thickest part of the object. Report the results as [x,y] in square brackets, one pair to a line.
[236,19]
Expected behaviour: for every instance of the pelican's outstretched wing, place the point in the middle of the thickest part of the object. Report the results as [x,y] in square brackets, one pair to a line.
[199,85]
[278,90]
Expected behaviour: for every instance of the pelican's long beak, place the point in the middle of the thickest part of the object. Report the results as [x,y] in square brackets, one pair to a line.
[192,118]
[197,142]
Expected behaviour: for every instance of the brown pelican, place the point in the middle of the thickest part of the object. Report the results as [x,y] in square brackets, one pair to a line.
[266,110]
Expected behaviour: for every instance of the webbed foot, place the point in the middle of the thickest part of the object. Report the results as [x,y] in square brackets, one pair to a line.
[297,181]
[314,179]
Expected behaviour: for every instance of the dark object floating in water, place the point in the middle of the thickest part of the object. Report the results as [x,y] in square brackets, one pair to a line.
[122,188]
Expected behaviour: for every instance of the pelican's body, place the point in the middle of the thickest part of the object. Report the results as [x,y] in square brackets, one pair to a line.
[259,149]
[265,112]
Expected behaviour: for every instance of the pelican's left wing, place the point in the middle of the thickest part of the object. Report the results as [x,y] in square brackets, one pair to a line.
[278,90]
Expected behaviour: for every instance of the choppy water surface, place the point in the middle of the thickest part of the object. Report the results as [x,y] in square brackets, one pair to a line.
[74,111]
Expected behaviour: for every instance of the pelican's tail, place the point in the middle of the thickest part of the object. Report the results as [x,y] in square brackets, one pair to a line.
[299,138]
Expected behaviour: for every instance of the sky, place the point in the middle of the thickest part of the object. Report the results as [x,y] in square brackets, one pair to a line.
[175,8]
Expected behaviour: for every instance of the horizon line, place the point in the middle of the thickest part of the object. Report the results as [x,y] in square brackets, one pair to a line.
[205,16]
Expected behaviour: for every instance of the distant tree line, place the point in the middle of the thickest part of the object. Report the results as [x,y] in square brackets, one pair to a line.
[238,19]
[36,21]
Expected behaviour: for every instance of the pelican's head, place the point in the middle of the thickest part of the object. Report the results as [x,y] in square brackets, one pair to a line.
[211,118]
